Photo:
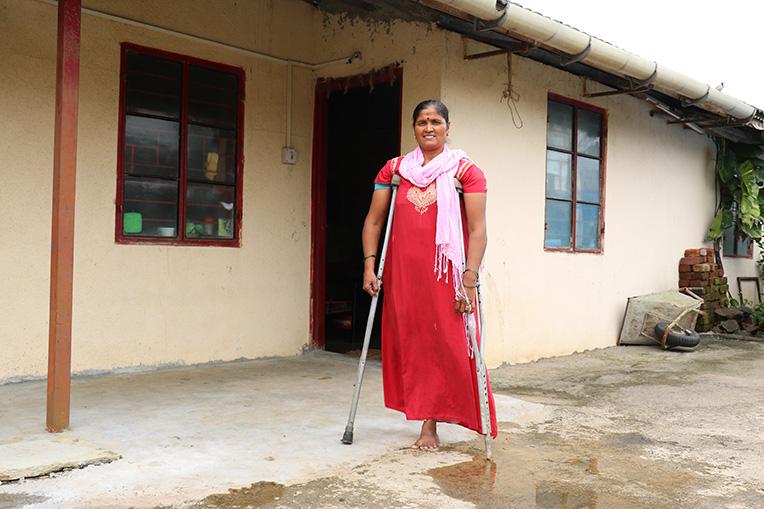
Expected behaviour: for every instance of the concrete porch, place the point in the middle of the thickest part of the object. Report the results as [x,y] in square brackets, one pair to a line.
[185,433]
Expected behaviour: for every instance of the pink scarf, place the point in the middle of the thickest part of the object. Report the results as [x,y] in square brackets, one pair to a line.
[448,235]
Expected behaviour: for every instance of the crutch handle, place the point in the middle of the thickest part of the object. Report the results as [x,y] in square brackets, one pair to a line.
[396,180]
[458,185]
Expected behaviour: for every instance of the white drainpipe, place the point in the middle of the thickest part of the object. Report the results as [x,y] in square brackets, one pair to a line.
[550,33]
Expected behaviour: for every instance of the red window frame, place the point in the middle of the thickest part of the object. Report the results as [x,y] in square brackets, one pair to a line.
[181,240]
[579,105]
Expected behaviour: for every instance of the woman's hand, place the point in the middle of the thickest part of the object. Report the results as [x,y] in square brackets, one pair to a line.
[370,282]
[469,288]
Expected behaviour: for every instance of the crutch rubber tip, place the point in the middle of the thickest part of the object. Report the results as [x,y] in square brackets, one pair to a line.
[347,437]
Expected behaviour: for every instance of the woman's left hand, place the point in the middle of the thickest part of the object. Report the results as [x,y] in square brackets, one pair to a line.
[466,305]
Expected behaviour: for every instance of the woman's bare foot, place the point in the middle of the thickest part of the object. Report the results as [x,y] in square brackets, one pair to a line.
[428,438]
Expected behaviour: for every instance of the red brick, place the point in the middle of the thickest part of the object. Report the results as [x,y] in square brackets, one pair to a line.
[703,252]
[692,252]
[685,268]
[698,275]
[710,258]
[692,260]
[684,283]
[702,267]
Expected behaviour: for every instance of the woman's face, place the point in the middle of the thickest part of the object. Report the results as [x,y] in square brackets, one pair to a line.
[430,130]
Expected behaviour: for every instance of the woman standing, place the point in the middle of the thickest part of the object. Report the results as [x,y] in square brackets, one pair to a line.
[427,369]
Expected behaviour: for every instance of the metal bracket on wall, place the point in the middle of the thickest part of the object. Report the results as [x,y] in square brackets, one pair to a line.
[482,25]
[521,50]
[687,102]
[635,87]
[566,60]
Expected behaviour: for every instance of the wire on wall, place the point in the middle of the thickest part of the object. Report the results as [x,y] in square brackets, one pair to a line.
[511,96]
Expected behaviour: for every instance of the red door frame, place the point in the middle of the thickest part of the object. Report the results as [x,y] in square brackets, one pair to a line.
[324,87]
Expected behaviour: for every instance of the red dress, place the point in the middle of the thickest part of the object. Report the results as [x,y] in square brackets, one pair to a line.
[426,368]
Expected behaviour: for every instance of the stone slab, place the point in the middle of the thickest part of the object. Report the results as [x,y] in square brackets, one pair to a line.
[41,455]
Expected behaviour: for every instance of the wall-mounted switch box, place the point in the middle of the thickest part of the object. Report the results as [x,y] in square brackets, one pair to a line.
[289,155]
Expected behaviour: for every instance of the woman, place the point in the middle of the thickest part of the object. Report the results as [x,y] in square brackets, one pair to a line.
[427,365]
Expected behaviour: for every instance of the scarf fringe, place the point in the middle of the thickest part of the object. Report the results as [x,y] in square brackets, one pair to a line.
[442,263]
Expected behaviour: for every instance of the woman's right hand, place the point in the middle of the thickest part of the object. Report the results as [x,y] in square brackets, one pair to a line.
[370,282]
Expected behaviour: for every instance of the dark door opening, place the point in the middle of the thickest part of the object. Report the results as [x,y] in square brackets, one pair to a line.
[362,131]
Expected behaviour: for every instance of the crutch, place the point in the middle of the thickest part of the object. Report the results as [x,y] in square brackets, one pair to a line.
[477,350]
[347,437]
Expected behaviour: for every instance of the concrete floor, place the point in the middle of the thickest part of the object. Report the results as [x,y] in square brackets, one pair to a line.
[621,428]
[188,433]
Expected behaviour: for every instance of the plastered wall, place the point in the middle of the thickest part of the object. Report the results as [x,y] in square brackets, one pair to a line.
[658,201]
[142,305]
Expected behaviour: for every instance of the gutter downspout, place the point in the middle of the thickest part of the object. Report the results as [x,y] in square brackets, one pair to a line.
[602,55]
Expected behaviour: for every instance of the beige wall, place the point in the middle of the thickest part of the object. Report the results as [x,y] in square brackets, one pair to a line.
[659,200]
[149,305]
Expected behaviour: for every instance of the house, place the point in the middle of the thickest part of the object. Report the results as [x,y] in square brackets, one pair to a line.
[225,152]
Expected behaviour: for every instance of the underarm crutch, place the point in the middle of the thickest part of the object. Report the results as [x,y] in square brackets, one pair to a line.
[347,437]
[478,350]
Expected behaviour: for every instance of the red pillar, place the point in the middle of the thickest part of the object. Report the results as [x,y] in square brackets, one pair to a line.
[62,234]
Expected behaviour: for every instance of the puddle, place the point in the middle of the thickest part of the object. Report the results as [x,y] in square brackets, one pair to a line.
[255,495]
[542,471]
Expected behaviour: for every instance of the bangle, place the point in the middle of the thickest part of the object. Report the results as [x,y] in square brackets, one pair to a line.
[369,256]
[477,274]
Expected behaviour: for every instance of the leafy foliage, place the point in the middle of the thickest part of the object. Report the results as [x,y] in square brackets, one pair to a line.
[740,173]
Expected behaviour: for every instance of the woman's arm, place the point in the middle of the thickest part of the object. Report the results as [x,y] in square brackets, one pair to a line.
[372,229]
[477,238]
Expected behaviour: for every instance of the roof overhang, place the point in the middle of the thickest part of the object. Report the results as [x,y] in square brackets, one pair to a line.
[677,110]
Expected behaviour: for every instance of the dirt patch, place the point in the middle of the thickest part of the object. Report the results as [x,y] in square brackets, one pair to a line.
[15,500]
[256,495]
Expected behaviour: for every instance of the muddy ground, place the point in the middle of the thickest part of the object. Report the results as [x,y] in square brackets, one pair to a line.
[626,427]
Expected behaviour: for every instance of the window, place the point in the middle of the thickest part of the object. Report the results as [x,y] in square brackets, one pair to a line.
[736,244]
[180,139]
[575,176]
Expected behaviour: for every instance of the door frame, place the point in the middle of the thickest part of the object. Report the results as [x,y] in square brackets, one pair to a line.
[319,170]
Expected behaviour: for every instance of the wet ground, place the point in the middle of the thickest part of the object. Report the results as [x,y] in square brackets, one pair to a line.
[628,427]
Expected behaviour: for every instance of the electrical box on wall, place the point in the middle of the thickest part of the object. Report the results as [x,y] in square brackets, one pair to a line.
[289,155]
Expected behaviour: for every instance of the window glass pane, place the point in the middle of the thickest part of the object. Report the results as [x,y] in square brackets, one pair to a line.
[559,175]
[728,241]
[589,132]
[587,226]
[743,245]
[211,155]
[212,97]
[558,225]
[153,86]
[150,207]
[559,129]
[588,179]
[151,147]
[210,211]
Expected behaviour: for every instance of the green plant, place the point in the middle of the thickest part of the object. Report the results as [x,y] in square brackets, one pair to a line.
[757,314]
[740,175]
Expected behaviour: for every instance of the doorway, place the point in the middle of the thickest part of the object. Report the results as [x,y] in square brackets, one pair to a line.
[357,129]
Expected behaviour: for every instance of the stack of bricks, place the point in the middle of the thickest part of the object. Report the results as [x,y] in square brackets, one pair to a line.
[699,273]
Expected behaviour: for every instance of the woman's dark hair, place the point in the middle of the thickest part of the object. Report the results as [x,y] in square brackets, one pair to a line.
[431,103]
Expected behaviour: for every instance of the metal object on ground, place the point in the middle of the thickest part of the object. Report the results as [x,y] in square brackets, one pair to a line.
[347,437]
[644,312]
